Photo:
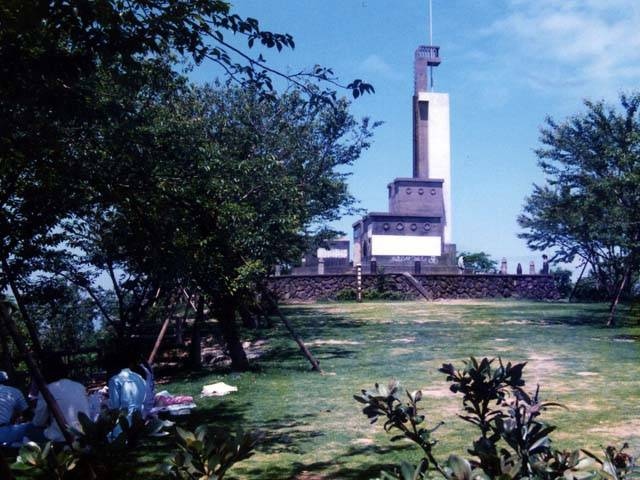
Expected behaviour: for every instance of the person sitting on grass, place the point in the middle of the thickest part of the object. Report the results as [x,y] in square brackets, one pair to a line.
[12,406]
[146,370]
[127,389]
[70,396]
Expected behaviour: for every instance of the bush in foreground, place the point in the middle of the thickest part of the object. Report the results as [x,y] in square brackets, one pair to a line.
[513,441]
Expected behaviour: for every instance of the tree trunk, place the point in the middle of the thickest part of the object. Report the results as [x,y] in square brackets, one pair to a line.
[249,319]
[31,327]
[226,316]
[195,349]
[575,285]
[611,322]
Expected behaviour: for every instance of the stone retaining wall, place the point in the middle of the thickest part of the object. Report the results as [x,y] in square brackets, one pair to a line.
[309,288]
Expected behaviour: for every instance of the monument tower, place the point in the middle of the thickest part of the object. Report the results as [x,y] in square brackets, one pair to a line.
[417,226]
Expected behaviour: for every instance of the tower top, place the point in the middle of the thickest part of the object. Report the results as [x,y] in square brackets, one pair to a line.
[426,56]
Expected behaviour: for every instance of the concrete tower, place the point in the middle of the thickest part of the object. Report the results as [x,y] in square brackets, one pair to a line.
[417,227]
[431,134]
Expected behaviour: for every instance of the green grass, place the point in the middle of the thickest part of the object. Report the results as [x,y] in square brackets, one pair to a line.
[316,430]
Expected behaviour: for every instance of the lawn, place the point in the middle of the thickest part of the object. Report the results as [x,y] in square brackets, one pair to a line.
[315,430]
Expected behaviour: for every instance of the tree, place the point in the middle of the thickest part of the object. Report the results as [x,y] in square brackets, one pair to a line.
[479,262]
[73,72]
[259,174]
[590,205]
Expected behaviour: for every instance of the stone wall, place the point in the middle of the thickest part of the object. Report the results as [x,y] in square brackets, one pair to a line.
[309,288]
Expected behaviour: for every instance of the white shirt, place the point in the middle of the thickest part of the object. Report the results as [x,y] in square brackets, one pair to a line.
[71,398]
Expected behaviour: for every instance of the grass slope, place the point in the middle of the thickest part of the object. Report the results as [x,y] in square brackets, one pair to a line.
[316,430]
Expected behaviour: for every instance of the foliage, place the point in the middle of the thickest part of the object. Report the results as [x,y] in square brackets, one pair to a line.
[402,416]
[349,294]
[590,203]
[66,320]
[101,140]
[95,452]
[589,289]
[514,442]
[346,294]
[206,454]
[562,279]
[479,262]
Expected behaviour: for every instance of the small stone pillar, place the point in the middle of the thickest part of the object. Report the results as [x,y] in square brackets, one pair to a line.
[503,266]
[519,269]
[321,266]
[417,267]
[278,271]
[359,283]
[532,268]
[374,266]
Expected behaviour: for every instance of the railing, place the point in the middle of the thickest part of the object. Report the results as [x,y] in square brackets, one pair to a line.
[428,51]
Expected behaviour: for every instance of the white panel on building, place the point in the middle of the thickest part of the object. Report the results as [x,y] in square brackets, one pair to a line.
[332,253]
[440,149]
[400,245]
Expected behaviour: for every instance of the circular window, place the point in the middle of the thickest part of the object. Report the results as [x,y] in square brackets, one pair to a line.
[420,191]
[433,191]
[408,190]
[385,226]
[427,227]
[399,226]
[414,227]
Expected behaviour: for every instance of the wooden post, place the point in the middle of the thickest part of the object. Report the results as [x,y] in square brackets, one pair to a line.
[315,365]
[156,346]
[359,283]
[54,409]
[163,331]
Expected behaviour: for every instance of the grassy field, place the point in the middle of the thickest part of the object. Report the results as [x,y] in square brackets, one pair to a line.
[315,429]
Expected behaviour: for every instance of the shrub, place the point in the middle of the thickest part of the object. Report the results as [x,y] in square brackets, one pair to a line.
[95,452]
[206,454]
[346,294]
[514,442]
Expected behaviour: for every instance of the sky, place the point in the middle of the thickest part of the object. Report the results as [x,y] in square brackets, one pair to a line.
[506,64]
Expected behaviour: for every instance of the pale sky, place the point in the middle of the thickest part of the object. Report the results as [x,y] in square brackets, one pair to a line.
[506,65]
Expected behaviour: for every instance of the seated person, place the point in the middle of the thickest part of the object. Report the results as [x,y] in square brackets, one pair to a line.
[70,396]
[127,389]
[12,406]
[150,388]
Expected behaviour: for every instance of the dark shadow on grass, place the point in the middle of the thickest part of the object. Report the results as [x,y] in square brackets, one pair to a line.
[337,465]
[286,434]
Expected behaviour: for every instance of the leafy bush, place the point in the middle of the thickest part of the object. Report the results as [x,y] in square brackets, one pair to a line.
[514,442]
[562,279]
[95,453]
[206,454]
[382,295]
[346,294]
[589,289]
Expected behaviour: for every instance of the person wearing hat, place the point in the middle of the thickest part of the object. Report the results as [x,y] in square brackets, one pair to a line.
[12,406]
